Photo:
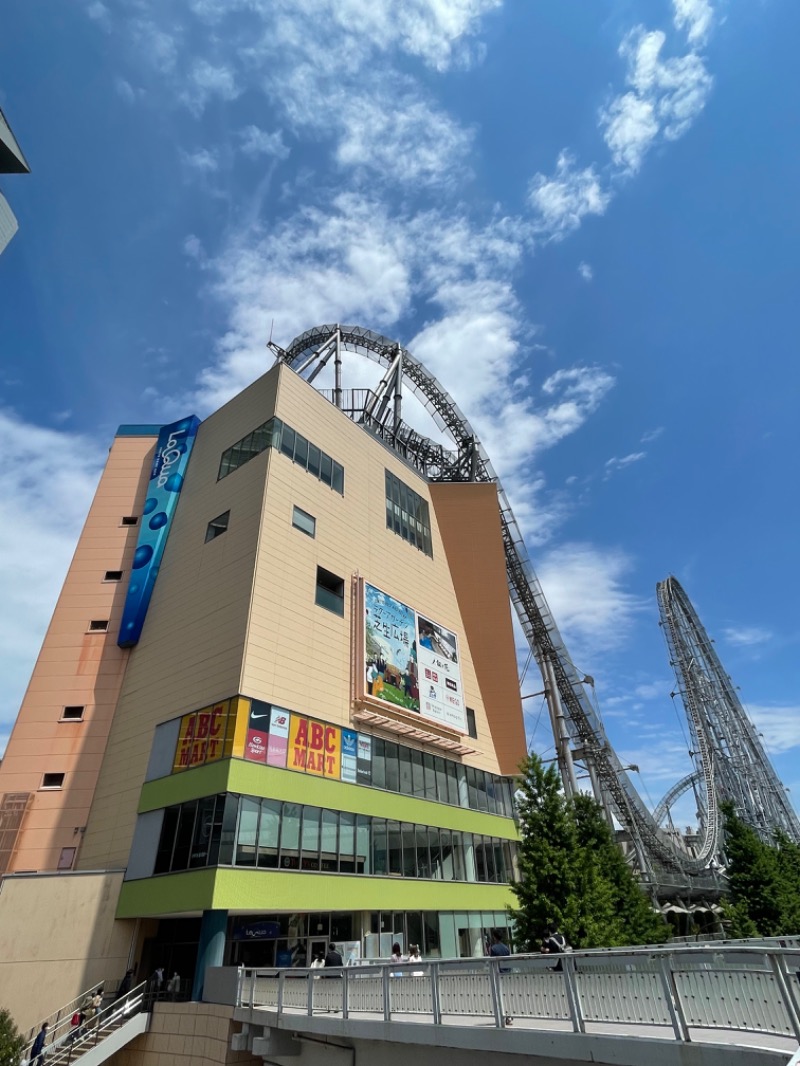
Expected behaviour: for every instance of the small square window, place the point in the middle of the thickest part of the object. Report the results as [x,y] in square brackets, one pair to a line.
[330,591]
[303,521]
[72,714]
[130,520]
[472,726]
[66,858]
[98,625]
[113,575]
[52,781]
[217,526]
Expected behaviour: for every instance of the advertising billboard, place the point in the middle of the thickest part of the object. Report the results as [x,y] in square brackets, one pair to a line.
[411,661]
[205,736]
[173,448]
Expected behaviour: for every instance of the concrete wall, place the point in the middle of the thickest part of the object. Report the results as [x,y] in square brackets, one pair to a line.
[186,1034]
[58,937]
[76,667]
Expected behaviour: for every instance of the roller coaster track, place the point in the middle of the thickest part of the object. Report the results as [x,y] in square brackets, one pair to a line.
[660,858]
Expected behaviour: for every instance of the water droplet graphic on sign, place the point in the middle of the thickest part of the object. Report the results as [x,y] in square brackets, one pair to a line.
[150,505]
[142,556]
[158,520]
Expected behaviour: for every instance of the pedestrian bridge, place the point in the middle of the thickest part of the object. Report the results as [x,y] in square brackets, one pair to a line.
[710,1005]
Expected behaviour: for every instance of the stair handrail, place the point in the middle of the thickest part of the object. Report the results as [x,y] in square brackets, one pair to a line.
[69,1042]
[67,1010]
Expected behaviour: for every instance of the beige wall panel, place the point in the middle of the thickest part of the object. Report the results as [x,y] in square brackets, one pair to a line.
[58,937]
[298,655]
[192,644]
[74,668]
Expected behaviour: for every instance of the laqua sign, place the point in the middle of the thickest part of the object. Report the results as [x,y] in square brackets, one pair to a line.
[173,448]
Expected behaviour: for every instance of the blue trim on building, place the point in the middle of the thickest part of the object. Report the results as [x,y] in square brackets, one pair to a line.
[138,431]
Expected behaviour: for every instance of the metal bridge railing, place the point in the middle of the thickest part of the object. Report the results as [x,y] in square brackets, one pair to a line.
[672,992]
[67,1042]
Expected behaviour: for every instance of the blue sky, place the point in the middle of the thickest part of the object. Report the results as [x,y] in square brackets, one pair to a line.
[581,215]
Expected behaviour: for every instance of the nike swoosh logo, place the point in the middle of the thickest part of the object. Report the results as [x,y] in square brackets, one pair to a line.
[254,716]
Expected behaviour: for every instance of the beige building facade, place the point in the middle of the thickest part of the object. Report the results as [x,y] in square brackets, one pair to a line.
[309,733]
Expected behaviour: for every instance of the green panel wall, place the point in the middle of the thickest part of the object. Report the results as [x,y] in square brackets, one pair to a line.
[253,891]
[253,779]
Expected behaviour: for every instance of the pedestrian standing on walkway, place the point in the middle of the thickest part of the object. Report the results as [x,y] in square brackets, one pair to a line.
[174,986]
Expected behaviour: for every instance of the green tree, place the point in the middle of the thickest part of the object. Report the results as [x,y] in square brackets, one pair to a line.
[546,854]
[764,881]
[572,872]
[12,1043]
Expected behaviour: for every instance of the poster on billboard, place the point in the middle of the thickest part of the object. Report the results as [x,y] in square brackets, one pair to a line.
[202,737]
[349,755]
[440,694]
[411,661]
[278,741]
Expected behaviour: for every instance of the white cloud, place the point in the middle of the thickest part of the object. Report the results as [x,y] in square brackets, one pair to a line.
[665,97]
[584,585]
[257,142]
[694,16]
[207,80]
[614,464]
[99,13]
[404,139]
[585,271]
[747,636]
[779,726]
[562,201]
[46,483]
[651,435]
[203,160]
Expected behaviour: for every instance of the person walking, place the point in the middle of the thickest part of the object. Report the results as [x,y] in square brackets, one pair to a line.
[414,956]
[37,1048]
[555,943]
[125,985]
[333,958]
[174,986]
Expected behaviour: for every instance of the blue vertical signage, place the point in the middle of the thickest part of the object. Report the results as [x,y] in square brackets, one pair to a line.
[173,449]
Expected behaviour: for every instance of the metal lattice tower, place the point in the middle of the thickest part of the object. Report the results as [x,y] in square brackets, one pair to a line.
[726,748]
[661,860]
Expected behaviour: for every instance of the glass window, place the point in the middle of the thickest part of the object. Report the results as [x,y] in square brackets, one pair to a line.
[472,788]
[480,861]
[392,767]
[287,441]
[491,793]
[472,726]
[338,478]
[423,854]
[268,833]
[184,835]
[313,460]
[480,785]
[217,526]
[407,514]
[347,842]
[363,851]
[406,782]
[216,831]
[446,853]
[310,836]
[166,841]
[290,836]
[431,948]
[488,855]
[329,841]
[330,591]
[230,817]
[203,825]
[452,783]
[430,776]
[395,848]
[463,790]
[458,856]
[301,451]
[435,853]
[326,469]
[417,774]
[303,521]
[409,851]
[247,832]
[441,778]
[469,856]
[380,858]
[378,762]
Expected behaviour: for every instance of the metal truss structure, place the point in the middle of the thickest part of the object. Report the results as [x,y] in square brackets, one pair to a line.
[662,861]
[730,761]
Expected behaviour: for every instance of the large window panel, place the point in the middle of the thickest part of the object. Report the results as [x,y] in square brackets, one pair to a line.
[409,851]
[183,839]
[380,856]
[230,818]
[203,826]
[166,843]
[310,838]
[430,776]
[417,773]
[329,841]
[406,779]
[247,831]
[392,767]
[363,848]
[290,836]
[347,842]
[378,762]
[395,848]
[269,833]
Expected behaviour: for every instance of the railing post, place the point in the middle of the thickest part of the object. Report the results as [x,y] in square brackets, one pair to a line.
[672,996]
[777,964]
[239,983]
[387,1007]
[310,994]
[253,990]
[573,997]
[497,995]
[436,1003]
[281,983]
[345,985]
